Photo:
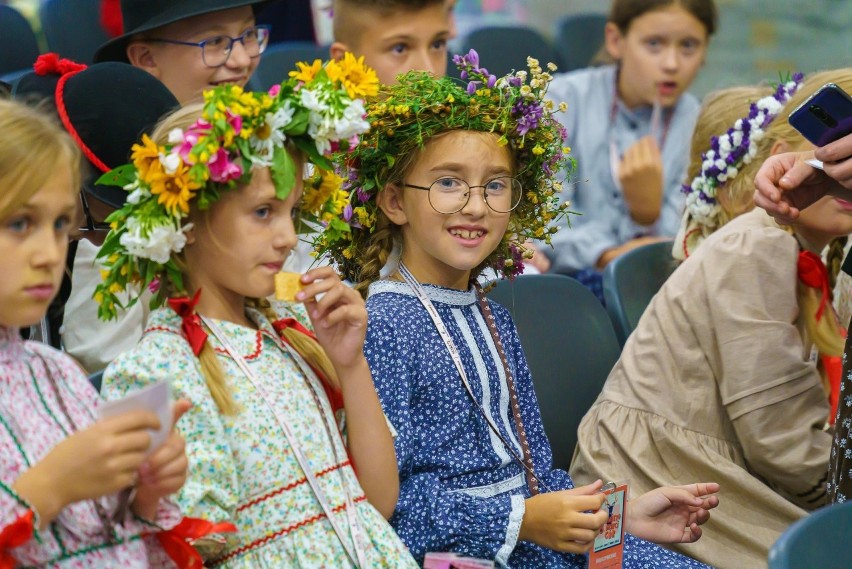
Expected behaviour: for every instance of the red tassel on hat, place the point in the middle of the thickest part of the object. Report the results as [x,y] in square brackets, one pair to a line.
[191,325]
[51,63]
[812,273]
[111,19]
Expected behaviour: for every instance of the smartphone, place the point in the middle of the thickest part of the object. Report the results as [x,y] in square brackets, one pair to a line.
[825,116]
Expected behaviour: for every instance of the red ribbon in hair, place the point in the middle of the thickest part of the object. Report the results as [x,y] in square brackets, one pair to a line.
[191,322]
[177,542]
[812,273]
[14,535]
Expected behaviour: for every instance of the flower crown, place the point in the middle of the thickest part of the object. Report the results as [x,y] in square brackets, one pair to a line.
[729,152]
[315,111]
[406,115]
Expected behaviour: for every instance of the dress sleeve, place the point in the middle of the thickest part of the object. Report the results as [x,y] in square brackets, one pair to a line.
[212,487]
[770,391]
[429,517]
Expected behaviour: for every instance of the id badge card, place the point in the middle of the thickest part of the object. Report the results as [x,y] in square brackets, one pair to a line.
[608,551]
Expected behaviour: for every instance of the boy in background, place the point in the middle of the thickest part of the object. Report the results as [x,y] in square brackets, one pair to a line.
[394,36]
[190,45]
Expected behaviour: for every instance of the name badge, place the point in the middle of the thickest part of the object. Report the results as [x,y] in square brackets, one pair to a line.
[608,551]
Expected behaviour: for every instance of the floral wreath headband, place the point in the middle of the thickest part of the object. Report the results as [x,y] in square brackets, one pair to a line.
[317,110]
[729,152]
[406,115]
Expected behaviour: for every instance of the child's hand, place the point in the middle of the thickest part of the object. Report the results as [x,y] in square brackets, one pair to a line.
[165,471]
[91,463]
[339,318]
[568,521]
[641,176]
[671,514]
[786,184]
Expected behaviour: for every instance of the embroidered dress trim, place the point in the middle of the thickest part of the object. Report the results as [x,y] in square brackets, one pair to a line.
[491,490]
[283,531]
[294,484]
[434,293]
[482,373]
[505,405]
[513,530]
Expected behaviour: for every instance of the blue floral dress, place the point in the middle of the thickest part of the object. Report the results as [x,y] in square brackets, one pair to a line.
[460,489]
[242,468]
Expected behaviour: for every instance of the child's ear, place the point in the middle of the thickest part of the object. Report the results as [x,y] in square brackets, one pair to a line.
[140,55]
[389,201]
[613,41]
[337,50]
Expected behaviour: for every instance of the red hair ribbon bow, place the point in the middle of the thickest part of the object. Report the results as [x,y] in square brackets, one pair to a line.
[14,535]
[177,542]
[284,323]
[51,63]
[812,273]
[191,322]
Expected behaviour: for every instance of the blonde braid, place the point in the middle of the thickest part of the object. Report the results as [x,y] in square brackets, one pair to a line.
[375,254]
[304,345]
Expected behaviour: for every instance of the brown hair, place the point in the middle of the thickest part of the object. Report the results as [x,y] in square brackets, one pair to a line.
[623,12]
[304,345]
[35,145]
[351,17]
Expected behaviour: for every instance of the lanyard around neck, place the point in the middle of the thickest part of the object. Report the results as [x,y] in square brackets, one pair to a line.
[356,557]
[533,482]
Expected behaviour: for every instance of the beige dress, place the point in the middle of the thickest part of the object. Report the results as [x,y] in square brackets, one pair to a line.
[716,385]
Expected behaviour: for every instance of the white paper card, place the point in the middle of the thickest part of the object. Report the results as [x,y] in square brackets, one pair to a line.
[814,163]
[155,398]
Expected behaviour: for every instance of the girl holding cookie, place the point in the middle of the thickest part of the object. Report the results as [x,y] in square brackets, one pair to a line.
[208,224]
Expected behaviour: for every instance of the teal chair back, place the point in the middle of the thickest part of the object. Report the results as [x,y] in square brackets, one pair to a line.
[632,280]
[504,48]
[815,541]
[570,347]
[280,59]
[73,28]
[96,379]
[579,37]
[18,45]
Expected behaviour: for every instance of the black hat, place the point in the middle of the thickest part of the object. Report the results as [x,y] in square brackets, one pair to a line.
[105,108]
[144,15]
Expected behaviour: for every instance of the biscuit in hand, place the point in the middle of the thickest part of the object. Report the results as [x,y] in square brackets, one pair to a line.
[287,285]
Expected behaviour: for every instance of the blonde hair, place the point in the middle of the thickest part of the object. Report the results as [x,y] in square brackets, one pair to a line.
[736,197]
[29,158]
[306,346]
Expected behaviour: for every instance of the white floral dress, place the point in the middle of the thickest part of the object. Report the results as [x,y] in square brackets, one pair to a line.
[242,468]
[45,397]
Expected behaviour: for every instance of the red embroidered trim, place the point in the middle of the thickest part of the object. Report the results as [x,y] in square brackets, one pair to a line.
[161,329]
[290,486]
[258,347]
[283,531]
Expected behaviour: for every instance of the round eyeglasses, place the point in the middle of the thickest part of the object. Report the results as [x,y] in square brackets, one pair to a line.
[451,195]
[215,51]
